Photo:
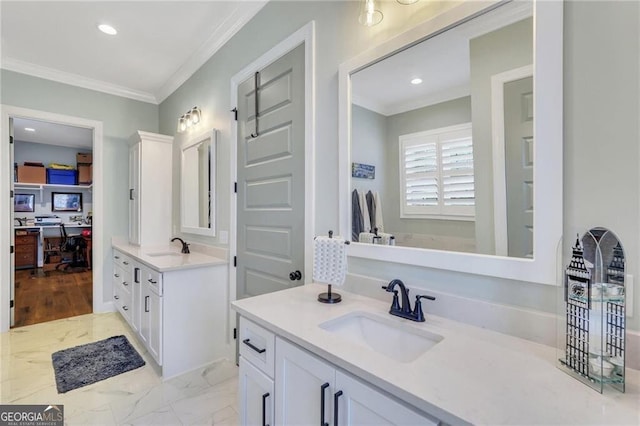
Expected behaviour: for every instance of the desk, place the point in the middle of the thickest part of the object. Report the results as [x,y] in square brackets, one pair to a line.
[26,249]
[49,229]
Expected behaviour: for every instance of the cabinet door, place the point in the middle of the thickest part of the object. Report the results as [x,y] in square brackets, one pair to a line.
[134,194]
[136,298]
[302,380]
[145,317]
[256,396]
[155,326]
[360,404]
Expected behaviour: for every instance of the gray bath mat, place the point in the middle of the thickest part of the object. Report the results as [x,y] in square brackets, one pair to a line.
[90,363]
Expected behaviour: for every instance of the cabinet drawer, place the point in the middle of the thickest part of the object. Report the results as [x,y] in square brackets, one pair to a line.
[25,249]
[122,301]
[122,260]
[257,345]
[25,259]
[28,240]
[154,278]
[121,279]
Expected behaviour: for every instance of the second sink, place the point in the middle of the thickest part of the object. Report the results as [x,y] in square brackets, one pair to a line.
[403,344]
[164,253]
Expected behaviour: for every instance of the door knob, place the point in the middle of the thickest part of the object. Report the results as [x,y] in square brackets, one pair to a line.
[296,275]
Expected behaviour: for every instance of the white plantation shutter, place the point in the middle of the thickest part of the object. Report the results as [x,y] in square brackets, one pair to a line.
[436,173]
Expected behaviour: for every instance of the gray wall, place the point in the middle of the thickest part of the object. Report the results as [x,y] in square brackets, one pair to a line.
[499,51]
[368,146]
[120,117]
[450,113]
[600,129]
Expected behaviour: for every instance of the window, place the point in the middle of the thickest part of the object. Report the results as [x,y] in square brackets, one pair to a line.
[436,174]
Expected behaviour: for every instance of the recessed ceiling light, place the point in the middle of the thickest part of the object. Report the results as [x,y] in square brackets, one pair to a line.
[107,29]
[416,81]
[29,129]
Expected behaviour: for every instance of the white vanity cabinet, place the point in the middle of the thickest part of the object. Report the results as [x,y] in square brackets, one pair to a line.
[310,390]
[150,188]
[294,387]
[256,386]
[179,315]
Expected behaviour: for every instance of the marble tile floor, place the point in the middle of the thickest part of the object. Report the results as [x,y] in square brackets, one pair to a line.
[207,396]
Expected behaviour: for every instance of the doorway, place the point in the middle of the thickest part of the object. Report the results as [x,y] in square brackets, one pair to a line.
[305,36]
[48,272]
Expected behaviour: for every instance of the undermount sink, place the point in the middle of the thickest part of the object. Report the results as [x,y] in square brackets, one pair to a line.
[394,340]
[164,253]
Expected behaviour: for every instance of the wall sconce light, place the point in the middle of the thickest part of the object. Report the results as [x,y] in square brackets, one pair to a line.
[369,15]
[188,119]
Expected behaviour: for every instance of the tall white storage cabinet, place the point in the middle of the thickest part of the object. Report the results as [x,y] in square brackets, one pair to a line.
[150,188]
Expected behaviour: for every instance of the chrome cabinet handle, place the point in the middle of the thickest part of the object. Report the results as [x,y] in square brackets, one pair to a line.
[116,275]
[146,303]
[124,283]
[125,307]
[124,262]
[152,281]
[116,297]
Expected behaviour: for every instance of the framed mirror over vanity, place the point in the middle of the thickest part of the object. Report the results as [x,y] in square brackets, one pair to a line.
[197,180]
[461,117]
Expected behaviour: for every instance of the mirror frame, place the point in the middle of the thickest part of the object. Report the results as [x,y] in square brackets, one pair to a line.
[188,143]
[548,109]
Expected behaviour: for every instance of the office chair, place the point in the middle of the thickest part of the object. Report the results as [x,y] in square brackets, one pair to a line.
[71,250]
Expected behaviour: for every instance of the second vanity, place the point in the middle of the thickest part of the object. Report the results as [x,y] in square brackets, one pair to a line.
[303,362]
[174,303]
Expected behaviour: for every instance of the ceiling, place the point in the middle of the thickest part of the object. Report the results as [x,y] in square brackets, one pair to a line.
[159,44]
[52,133]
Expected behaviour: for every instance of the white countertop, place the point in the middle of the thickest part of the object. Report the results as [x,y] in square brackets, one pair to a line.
[167,263]
[473,375]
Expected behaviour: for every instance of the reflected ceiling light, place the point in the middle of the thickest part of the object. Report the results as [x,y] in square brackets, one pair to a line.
[107,29]
[405,2]
[416,81]
[369,14]
[189,118]
[29,129]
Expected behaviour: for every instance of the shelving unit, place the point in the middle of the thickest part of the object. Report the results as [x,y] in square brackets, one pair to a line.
[40,187]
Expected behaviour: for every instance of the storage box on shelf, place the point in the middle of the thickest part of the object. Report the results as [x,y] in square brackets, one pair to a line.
[62,177]
[85,168]
[32,174]
[84,158]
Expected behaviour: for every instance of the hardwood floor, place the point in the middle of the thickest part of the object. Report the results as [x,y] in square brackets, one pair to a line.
[47,296]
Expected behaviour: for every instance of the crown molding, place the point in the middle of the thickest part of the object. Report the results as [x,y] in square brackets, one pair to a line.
[53,74]
[243,12]
[422,102]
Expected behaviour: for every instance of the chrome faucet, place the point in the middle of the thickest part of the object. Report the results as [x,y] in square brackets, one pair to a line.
[185,246]
[404,310]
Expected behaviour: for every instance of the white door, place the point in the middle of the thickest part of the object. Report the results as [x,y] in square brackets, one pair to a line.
[255,395]
[12,262]
[304,386]
[270,200]
[361,405]
[134,196]
[518,133]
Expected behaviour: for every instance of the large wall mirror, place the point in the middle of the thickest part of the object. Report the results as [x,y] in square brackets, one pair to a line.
[197,184]
[451,143]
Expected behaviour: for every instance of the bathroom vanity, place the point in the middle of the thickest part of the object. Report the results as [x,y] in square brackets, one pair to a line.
[303,362]
[174,303]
